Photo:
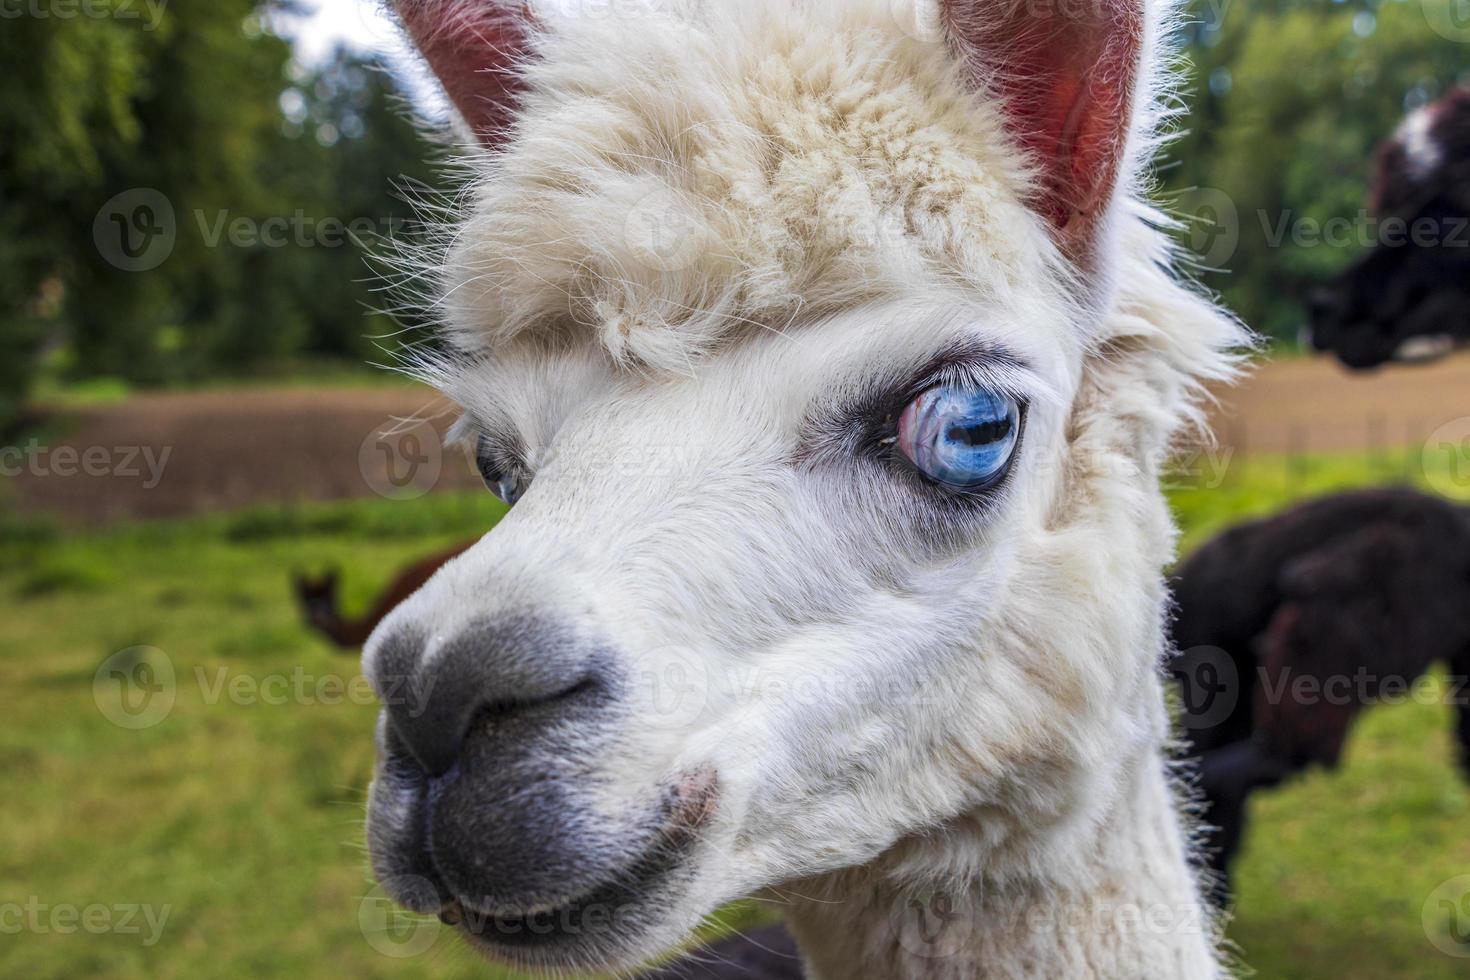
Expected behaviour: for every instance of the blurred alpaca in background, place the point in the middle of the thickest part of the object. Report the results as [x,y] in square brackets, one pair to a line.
[1408,298]
[318,597]
[1288,626]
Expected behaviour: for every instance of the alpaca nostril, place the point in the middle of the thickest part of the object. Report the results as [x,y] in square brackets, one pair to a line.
[432,738]
[488,678]
[435,736]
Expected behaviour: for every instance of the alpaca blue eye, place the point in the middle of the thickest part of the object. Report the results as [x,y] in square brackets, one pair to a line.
[960,436]
[503,480]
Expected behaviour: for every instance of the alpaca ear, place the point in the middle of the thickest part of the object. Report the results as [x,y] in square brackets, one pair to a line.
[475,47]
[1065,71]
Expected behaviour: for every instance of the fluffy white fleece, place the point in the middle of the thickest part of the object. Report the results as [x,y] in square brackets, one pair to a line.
[710,220]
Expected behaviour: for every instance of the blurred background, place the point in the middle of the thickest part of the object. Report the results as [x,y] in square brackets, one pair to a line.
[195,426]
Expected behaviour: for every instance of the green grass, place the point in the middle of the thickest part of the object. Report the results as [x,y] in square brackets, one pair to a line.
[1337,867]
[244,819]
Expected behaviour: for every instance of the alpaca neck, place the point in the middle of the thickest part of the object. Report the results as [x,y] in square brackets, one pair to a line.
[347,632]
[1125,907]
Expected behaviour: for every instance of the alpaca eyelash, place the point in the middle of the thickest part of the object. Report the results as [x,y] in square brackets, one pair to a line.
[965,364]
[479,439]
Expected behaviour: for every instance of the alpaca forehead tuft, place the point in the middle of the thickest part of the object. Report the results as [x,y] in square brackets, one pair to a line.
[682,173]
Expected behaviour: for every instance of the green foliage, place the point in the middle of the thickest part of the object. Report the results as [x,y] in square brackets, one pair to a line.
[372,165]
[271,210]
[1286,103]
[264,164]
[441,513]
[67,108]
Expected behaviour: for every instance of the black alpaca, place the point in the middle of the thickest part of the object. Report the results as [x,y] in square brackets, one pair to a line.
[1408,297]
[1287,627]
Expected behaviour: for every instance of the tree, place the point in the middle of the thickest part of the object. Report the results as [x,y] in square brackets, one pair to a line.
[172,192]
[1286,104]
[69,111]
[355,161]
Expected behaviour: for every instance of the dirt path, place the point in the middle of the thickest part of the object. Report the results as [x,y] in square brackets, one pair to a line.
[1316,406]
[163,455]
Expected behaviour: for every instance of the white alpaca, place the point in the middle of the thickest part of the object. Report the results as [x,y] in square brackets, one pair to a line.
[833,360]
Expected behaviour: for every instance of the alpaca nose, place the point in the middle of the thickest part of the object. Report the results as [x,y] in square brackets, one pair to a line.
[491,675]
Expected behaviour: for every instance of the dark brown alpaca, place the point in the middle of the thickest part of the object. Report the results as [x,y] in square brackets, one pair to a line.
[1287,627]
[318,598]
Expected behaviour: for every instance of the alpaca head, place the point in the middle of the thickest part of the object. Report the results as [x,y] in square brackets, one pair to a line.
[317,595]
[1407,297]
[827,361]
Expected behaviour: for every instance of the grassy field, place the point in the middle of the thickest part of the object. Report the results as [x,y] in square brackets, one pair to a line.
[224,839]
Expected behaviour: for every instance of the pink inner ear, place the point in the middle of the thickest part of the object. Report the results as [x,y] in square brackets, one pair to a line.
[475,48]
[1066,71]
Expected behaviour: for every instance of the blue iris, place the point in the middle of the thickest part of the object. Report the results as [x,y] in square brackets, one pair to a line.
[959,435]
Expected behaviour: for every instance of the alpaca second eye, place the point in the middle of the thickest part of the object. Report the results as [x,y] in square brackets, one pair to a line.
[502,480]
[960,436]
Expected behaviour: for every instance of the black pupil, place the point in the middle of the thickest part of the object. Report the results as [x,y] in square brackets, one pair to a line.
[981,433]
